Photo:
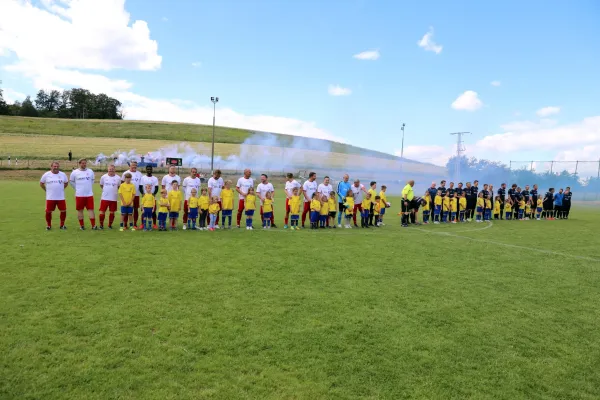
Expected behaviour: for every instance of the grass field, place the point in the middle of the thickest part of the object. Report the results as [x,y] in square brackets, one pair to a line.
[503,311]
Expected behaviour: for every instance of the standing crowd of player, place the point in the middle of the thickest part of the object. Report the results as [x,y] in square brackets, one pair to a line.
[204,207]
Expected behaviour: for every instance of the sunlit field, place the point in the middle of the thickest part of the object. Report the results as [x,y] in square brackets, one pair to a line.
[507,310]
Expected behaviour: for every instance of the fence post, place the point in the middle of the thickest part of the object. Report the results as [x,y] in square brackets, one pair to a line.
[551,167]
[576,165]
[531,168]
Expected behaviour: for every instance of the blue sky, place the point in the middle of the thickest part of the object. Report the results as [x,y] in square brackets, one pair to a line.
[271,64]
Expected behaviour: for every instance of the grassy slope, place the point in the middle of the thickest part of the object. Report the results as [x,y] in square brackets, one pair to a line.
[198,315]
[152,130]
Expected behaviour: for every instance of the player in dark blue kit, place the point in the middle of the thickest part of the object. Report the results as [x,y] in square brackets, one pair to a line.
[567,196]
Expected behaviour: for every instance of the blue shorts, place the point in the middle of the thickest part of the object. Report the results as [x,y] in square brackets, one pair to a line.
[382,211]
[268,215]
[540,209]
[162,216]
[193,213]
[295,217]
[126,210]
[148,211]
[437,210]
[174,215]
[365,213]
[249,213]
[426,212]
[314,216]
[227,213]
[479,209]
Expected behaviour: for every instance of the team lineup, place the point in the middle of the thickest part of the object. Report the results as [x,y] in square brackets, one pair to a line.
[202,208]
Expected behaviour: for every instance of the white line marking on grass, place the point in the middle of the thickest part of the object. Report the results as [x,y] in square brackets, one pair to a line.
[514,246]
[487,226]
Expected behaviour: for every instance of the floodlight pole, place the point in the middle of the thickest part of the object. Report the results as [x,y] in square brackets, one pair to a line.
[402,148]
[214,100]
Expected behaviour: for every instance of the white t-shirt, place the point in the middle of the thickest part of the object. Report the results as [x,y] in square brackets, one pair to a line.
[290,186]
[83,182]
[358,193]
[244,184]
[148,180]
[189,184]
[135,180]
[167,181]
[263,188]
[325,189]
[55,185]
[215,186]
[309,189]
[110,187]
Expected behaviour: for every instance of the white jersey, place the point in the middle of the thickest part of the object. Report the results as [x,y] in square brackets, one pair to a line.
[309,189]
[262,189]
[189,184]
[83,182]
[55,185]
[244,184]
[290,186]
[136,177]
[148,180]
[325,189]
[215,186]
[358,193]
[110,187]
[167,181]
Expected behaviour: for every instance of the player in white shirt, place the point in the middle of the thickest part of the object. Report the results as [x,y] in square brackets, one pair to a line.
[82,180]
[109,183]
[242,186]
[151,180]
[189,183]
[167,180]
[308,188]
[290,185]
[262,189]
[215,186]
[325,188]
[136,177]
[54,183]
[358,190]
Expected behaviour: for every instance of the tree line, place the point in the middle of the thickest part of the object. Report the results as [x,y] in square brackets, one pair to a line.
[73,104]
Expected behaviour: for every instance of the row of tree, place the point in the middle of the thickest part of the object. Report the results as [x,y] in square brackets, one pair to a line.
[74,103]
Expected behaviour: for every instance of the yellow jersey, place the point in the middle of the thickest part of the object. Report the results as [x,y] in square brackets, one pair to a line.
[507,207]
[268,205]
[373,194]
[383,198]
[214,208]
[193,202]
[148,200]
[427,205]
[527,208]
[453,204]
[349,204]
[437,201]
[480,202]
[175,197]
[488,204]
[294,204]
[315,205]
[127,192]
[332,204]
[540,203]
[446,204]
[522,204]
[366,204]
[376,208]
[250,202]
[382,204]
[497,207]
[163,205]
[227,199]
[462,204]
[325,208]
[203,202]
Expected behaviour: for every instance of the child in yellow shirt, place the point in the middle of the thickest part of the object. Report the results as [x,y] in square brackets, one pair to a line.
[366,206]
[497,207]
[175,198]
[462,207]
[480,207]
[147,207]
[315,210]
[446,208]
[332,209]
[453,204]
[487,213]
[126,195]
[193,210]
[163,210]
[528,210]
[437,211]
[508,209]
[521,208]
[384,204]
[227,203]
[349,208]
[249,207]
[539,209]
[377,211]
[213,212]
[294,204]
[324,212]
[203,203]
[267,210]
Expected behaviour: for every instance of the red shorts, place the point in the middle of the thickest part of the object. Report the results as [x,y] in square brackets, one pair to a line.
[108,205]
[84,202]
[241,205]
[287,206]
[136,203]
[52,204]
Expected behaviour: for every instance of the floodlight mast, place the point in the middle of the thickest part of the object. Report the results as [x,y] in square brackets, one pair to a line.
[214,100]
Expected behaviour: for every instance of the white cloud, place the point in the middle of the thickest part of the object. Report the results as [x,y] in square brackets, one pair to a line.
[96,35]
[336,90]
[368,55]
[196,64]
[86,34]
[495,83]
[546,111]
[428,44]
[165,19]
[433,154]
[468,101]
[10,95]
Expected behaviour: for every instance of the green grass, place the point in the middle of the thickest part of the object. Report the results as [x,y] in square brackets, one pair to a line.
[389,313]
[158,131]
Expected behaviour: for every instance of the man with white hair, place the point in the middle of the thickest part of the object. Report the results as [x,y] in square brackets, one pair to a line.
[54,183]
[109,183]
[262,189]
[136,177]
[167,180]
[82,180]
[358,190]
[242,186]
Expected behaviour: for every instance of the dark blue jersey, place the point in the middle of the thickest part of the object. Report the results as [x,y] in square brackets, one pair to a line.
[451,192]
[518,196]
[525,194]
[511,193]
[486,193]
[567,197]
[502,193]
[534,194]
[459,192]
[432,193]
[549,197]
[443,190]
[473,192]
